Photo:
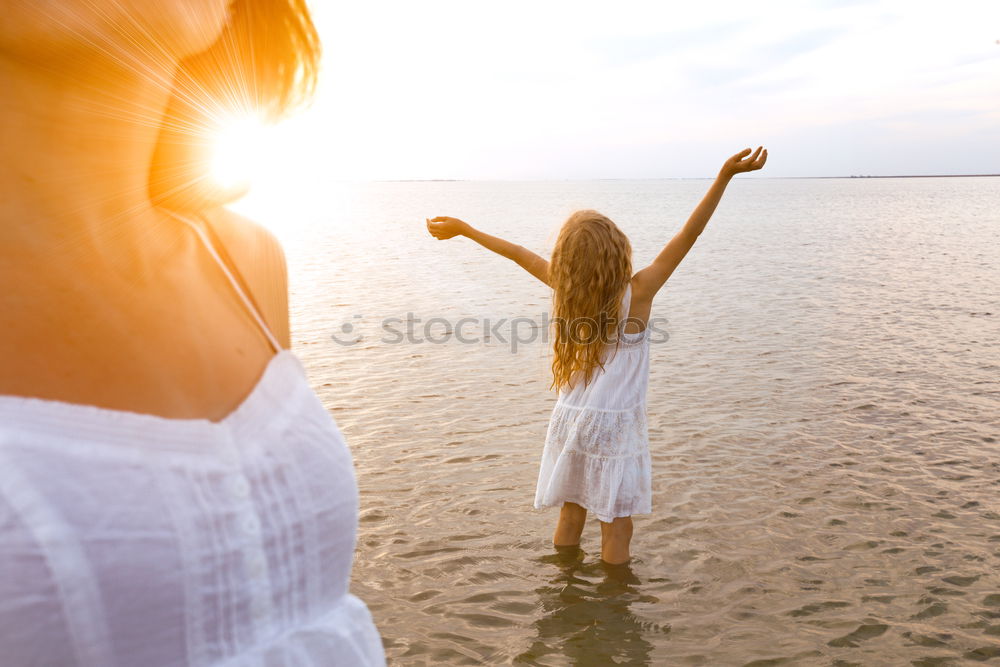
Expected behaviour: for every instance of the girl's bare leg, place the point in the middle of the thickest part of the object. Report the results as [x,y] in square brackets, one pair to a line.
[570,526]
[615,539]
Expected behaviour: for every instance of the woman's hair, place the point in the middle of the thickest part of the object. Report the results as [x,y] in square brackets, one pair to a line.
[264,63]
[590,269]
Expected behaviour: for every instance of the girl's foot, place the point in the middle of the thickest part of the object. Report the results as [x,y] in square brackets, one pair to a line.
[569,555]
[620,574]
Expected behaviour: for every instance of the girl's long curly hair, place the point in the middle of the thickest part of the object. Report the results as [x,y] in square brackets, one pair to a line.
[590,269]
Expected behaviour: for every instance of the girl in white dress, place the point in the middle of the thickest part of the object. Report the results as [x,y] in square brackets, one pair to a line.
[596,456]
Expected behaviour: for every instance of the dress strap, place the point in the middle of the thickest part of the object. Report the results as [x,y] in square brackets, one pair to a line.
[626,302]
[239,285]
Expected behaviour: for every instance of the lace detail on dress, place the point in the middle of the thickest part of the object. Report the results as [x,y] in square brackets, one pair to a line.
[603,434]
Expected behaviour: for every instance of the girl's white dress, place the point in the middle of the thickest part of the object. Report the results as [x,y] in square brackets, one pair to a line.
[597,446]
[130,539]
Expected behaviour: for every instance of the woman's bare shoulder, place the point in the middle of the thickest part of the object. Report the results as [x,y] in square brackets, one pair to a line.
[260,259]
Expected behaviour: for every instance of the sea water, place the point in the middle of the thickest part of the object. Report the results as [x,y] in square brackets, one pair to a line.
[824,410]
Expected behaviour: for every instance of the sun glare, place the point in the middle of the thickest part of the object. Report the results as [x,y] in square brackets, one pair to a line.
[242,148]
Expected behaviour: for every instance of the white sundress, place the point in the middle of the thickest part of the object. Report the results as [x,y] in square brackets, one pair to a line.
[597,445]
[134,540]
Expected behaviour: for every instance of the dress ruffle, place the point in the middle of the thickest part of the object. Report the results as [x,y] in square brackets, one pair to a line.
[598,459]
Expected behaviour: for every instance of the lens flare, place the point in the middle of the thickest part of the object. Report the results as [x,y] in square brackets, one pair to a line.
[243,146]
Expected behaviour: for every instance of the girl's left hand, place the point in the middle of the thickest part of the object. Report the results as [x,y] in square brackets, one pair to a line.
[443,227]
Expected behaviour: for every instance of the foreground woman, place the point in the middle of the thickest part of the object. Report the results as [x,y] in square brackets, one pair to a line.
[171,490]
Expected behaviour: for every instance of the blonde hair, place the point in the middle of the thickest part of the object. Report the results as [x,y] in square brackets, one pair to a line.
[590,269]
[265,63]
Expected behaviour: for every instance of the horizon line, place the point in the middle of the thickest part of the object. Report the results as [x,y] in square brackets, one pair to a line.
[654,178]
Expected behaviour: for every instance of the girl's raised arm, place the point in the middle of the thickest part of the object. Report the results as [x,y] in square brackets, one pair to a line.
[647,282]
[444,227]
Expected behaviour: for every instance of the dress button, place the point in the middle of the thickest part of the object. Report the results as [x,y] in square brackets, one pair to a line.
[239,487]
[259,609]
[251,524]
[46,533]
[256,562]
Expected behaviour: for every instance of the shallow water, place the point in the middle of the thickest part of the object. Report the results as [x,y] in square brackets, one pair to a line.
[824,423]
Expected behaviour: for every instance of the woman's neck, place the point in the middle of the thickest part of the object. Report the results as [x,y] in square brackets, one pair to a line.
[77,150]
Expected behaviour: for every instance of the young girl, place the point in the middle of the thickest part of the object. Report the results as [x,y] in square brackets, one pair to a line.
[596,455]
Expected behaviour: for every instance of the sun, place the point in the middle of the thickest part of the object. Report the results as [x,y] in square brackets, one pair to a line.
[242,148]
[269,171]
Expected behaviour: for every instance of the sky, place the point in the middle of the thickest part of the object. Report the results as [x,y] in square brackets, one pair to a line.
[578,90]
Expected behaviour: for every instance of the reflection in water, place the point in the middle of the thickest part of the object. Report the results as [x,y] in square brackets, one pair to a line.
[585,616]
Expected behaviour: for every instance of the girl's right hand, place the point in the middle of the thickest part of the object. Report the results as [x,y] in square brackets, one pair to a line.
[740,163]
[443,227]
